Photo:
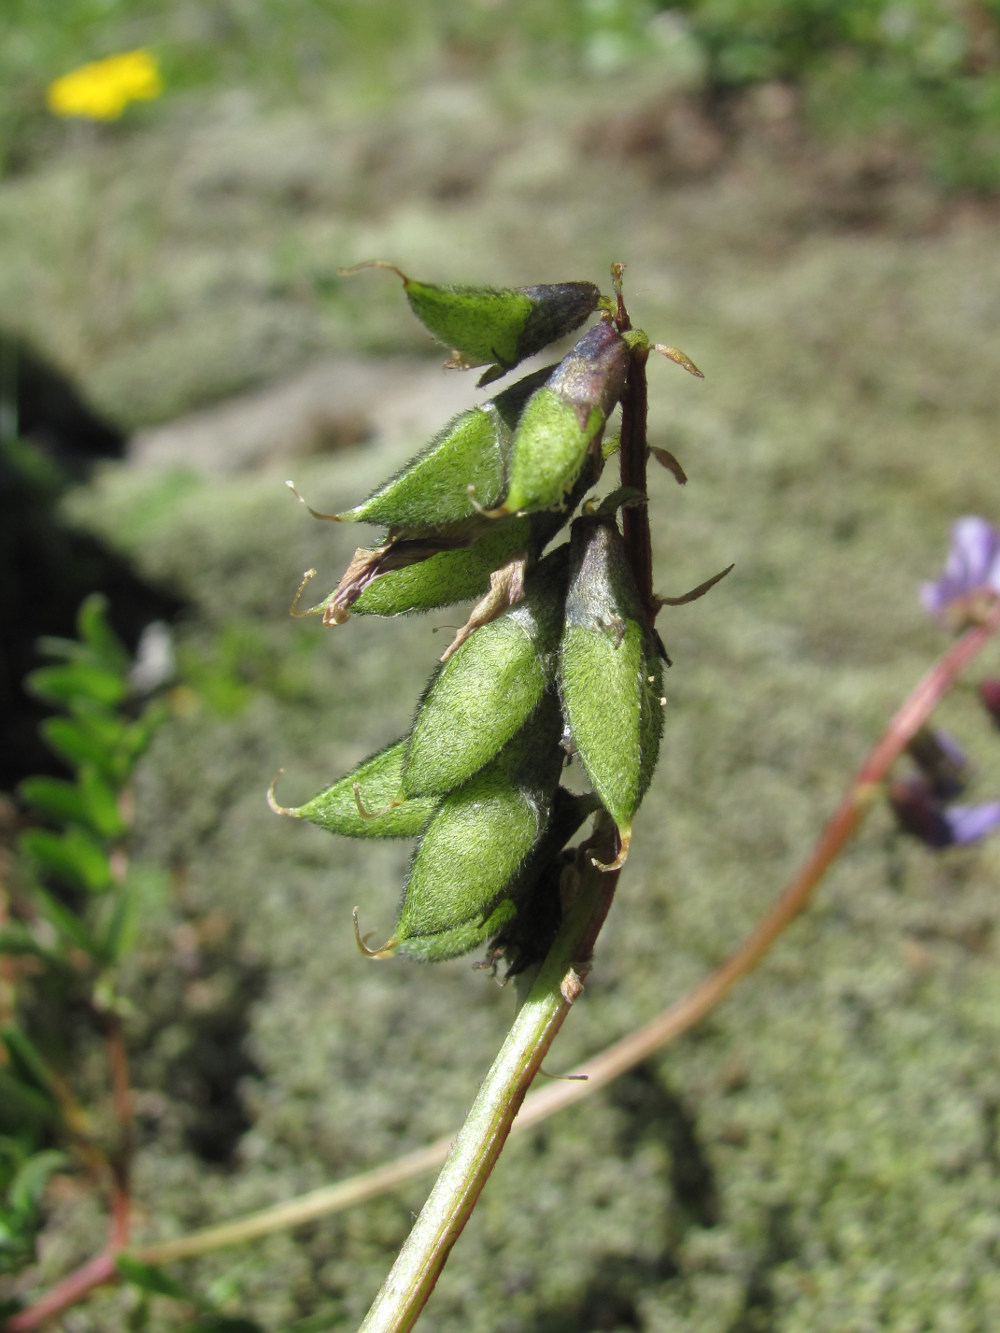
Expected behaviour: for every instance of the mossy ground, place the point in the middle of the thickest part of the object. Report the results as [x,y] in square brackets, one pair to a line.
[822,1153]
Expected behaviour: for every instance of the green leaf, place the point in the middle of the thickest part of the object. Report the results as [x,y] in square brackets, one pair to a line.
[485,691]
[119,930]
[77,684]
[379,791]
[149,1277]
[26,1061]
[67,923]
[96,632]
[101,802]
[23,1105]
[88,738]
[17,939]
[564,421]
[56,798]
[502,325]
[89,802]
[73,857]
[29,1183]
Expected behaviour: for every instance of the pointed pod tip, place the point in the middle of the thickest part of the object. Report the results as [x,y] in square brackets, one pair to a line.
[387,949]
[293,610]
[679,358]
[272,800]
[372,263]
[333,518]
[624,839]
[363,810]
[500,512]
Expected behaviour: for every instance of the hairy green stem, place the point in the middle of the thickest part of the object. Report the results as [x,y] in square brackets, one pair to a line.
[475,1150]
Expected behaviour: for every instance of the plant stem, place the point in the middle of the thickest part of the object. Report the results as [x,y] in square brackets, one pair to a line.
[93,1274]
[474,1153]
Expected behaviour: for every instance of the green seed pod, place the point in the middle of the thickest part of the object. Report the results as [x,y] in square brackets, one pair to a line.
[522,924]
[367,803]
[445,578]
[485,691]
[462,471]
[564,420]
[502,325]
[482,834]
[610,673]
[457,940]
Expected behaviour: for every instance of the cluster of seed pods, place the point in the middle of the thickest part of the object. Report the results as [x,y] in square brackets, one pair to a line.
[557,658]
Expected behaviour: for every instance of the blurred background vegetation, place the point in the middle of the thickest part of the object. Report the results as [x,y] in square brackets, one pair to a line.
[806,195]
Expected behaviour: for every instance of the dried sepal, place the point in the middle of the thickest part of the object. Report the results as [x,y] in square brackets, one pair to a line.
[506,590]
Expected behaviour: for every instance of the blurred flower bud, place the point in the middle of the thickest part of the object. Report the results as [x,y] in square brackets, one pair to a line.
[921,814]
[941,761]
[971,579]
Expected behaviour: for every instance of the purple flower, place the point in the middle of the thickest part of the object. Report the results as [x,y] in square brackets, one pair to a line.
[971,573]
[925,816]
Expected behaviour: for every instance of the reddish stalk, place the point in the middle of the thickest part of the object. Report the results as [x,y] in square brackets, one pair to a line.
[121,1157]
[94,1273]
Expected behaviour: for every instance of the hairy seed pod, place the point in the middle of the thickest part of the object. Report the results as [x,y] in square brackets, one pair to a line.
[564,420]
[522,924]
[482,834]
[486,690]
[462,471]
[449,576]
[498,325]
[367,802]
[610,672]
[441,945]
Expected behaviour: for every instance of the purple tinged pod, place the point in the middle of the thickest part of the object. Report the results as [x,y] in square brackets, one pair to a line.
[564,420]
[610,673]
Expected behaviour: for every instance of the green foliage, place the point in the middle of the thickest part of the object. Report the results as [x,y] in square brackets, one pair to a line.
[72,919]
[927,66]
[478,776]
[24,1174]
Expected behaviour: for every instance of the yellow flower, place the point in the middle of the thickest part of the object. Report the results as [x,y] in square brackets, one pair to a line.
[102,90]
